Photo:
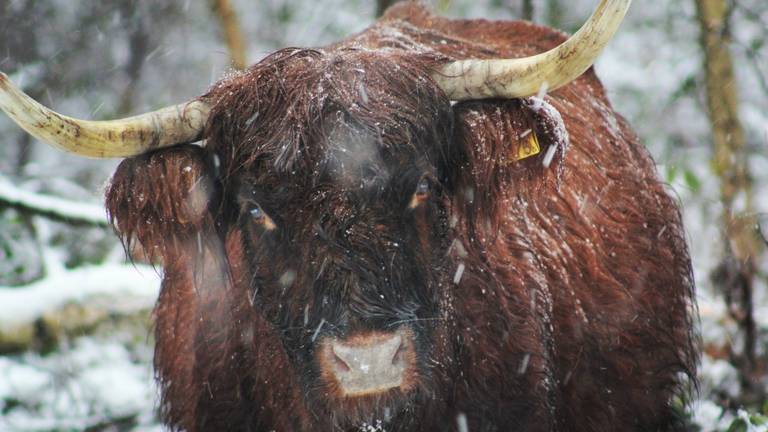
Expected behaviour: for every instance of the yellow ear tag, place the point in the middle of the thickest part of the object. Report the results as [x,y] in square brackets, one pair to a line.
[530,148]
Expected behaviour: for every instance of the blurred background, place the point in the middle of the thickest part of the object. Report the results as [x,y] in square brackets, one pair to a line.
[75,330]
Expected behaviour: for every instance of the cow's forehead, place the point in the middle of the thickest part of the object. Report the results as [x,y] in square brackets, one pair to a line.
[355,159]
[353,115]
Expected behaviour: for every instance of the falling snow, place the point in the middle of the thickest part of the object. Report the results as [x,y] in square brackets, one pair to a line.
[646,71]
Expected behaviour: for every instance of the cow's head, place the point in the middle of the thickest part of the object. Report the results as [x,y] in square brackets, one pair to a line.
[329,177]
[336,188]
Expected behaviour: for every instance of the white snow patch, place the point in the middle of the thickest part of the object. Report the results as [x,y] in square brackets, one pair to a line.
[744,416]
[708,414]
[459,273]
[720,375]
[94,381]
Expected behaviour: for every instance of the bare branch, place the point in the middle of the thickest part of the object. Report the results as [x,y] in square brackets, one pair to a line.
[58,209]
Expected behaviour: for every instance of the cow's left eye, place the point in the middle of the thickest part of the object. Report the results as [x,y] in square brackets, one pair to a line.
[422,192]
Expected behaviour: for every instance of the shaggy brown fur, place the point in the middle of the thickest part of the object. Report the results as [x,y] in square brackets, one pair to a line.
[573,307]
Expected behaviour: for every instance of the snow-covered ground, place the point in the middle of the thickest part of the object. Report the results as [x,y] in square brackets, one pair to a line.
[95,381]
[652,72]
[89,381]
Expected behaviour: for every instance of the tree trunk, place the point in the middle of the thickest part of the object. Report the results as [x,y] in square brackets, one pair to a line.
[138,48]
[736,274]
[528,10]
[555,14]
[23,153]
[233,35]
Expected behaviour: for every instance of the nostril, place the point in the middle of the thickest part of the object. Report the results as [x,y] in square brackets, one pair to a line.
[398,357]
[339,363]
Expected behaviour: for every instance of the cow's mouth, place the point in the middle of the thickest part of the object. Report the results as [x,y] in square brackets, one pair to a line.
[369,376]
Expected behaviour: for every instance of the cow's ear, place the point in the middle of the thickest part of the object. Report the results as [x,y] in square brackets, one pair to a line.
[502,147]
[161,198]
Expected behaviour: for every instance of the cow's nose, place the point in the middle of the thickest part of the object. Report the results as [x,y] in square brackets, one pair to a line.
[370,363]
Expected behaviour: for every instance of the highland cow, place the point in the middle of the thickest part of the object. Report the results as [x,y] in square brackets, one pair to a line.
[349,249]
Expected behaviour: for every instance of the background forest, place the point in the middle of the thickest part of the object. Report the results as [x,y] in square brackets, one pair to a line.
[75,341]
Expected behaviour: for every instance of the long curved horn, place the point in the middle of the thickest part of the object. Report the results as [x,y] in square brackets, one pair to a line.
[104,139]
[523,77]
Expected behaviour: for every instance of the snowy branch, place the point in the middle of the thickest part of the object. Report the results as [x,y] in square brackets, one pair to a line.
[126,287]
[74,303]
[51,207]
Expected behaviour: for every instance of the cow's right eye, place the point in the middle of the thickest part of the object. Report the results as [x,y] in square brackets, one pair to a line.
[422,189]
[259,216]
